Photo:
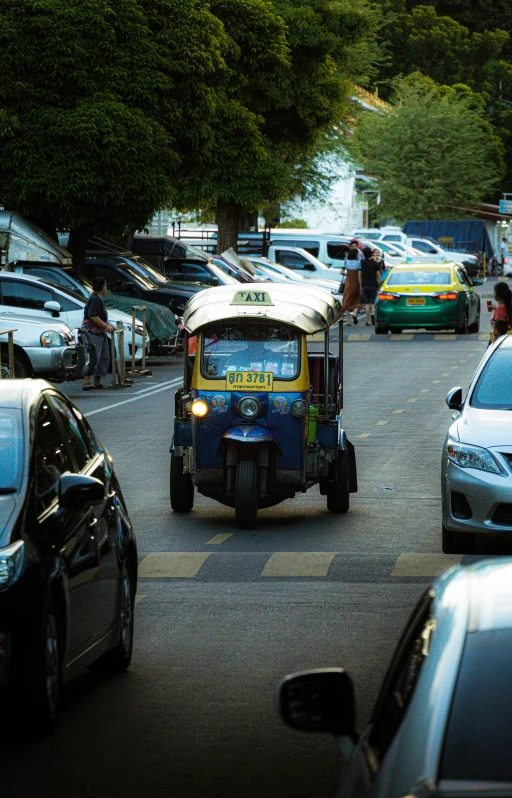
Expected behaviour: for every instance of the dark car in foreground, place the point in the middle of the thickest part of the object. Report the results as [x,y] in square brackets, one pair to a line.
[68,556]
[442,721]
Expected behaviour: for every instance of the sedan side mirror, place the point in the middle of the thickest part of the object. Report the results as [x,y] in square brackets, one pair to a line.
[308,267]
[319,701]
[454,399]
[53,307]
[76,491]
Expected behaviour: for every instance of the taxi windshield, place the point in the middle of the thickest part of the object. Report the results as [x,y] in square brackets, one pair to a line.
[11,450]
[231,346]
[418,277]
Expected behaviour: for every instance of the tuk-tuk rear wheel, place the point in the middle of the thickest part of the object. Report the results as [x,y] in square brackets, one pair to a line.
[338,493]
[246,494]
[182,487]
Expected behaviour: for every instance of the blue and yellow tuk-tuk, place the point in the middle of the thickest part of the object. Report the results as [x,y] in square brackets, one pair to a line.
[258,418]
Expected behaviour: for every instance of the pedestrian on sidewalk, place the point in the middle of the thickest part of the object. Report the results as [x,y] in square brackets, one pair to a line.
[503,311]
[352,289]
[504,251]
[370,281]
[96,324]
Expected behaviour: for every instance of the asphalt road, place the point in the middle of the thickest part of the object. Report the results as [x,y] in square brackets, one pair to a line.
[222,614]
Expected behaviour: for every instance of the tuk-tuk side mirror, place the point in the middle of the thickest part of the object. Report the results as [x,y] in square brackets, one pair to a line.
[454,399]
[320,700]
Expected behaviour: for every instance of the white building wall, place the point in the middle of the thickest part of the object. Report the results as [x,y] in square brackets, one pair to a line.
[340,212]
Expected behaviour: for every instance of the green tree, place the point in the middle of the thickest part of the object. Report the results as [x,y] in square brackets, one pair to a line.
[98,112]
[291,71]
[433,154]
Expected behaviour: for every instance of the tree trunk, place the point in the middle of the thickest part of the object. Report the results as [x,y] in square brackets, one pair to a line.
[77,245]
[248,221]
[228,218]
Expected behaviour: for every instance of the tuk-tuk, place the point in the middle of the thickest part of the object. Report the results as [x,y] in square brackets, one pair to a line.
[258,418]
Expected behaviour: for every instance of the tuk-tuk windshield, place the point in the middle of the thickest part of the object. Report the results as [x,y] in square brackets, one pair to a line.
[250,346]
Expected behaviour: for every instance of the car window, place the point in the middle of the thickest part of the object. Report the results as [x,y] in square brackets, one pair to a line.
[424,246]
[52,457]
[401,678]
[493,390]
[420,278]
[461,274]
[11,450]
[24,295]
[337,250]
[46,274]
[477,741]
[310,246]
[99,270]
[291,259]
[74,432]
[390,237]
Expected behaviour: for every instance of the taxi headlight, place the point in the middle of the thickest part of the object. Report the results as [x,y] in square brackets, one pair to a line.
[466,456]
[249,407]
[299,408]
[52,338]
[199,408]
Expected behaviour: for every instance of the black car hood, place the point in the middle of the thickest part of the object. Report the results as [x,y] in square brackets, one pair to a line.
[7,508]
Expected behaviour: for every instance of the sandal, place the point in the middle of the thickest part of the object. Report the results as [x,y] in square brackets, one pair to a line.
[101,387]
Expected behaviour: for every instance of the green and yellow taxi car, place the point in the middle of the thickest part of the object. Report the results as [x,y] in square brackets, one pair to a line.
[431,296]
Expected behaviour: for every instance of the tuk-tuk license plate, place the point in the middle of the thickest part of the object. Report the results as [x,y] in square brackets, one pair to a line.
[250,380]
[415,300]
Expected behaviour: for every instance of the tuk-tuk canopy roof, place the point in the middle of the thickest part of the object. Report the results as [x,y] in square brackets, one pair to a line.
[308,308]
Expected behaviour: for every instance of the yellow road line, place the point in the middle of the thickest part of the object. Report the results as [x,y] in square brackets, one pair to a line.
[401,337]
[365,435]
[445,374]
[444,337]
[139,597]
[359,337]
[397,412]
[484,337]
[172,564]
[218,539]
[436,382]
[298,563]
[381,423]
[425,390]
[413,400]
[424,564]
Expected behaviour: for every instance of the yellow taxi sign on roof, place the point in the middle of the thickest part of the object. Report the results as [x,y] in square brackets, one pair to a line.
[251,297]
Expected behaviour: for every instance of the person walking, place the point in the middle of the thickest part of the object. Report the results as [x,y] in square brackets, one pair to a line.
[504,251]
[503,311]
[370,281]
[352,289]
[96,324]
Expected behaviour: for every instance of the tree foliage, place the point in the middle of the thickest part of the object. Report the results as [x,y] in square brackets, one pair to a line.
[435,152]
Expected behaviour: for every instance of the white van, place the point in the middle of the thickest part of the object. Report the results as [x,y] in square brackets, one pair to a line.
[301,260]
[329,248]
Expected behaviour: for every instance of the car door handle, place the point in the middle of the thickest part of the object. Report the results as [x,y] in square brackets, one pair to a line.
[92,522]
[111,494]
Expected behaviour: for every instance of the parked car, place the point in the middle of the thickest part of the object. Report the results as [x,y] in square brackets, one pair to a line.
[128,279]
[68,556]
[441,723]
[24,295]
[44,348]
[156,249]
[208,272]
[160,321]
[476,476]
[429,296]
[305,263]
[227,264]
[265,267]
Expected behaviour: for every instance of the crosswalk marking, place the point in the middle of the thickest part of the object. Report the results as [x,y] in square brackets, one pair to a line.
[172,564]
[431,564]
[402,337]
[218,539]
[484,337]
[381,423]
[139,597]
[445,337]
[397,412]
[359,337]
[298,563]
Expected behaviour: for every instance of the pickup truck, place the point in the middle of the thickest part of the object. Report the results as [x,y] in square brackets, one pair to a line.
[45,348]
[304,263]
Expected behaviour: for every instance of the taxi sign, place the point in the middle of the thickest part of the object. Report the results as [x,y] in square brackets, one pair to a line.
[252,298]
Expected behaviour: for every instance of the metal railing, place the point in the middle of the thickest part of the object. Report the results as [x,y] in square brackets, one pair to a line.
[10,352]
[143,371]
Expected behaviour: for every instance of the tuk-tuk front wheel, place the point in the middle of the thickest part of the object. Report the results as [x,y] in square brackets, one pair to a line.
[246,494]
[338,492]
[182,487]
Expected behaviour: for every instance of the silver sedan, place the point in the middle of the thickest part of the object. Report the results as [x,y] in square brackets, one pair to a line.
[476,474]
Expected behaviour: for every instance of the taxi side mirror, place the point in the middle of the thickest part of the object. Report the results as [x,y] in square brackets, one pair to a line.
[454,399]
[477,282]
[320,700]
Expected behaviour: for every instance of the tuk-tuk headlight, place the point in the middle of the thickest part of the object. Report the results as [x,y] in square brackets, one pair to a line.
[249,407]
[199,408]
[299,408]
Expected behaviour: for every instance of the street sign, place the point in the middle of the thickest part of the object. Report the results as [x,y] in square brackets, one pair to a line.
[506,206]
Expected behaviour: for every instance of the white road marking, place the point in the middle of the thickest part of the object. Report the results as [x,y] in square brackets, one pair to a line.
[218,539]
[146,395]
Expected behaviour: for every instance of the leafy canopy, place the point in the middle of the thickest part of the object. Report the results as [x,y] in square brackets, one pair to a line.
[433,153]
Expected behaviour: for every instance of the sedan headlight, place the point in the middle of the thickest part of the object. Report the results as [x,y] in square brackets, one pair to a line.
[11,563]
[466,456]
[52,338]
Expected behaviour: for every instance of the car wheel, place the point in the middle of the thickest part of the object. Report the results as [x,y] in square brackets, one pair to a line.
[42,699]
[181,487]
[381,330]
[119,658]
[338,493]
[21,369]
[475,327]
[463,330]
[246,494]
